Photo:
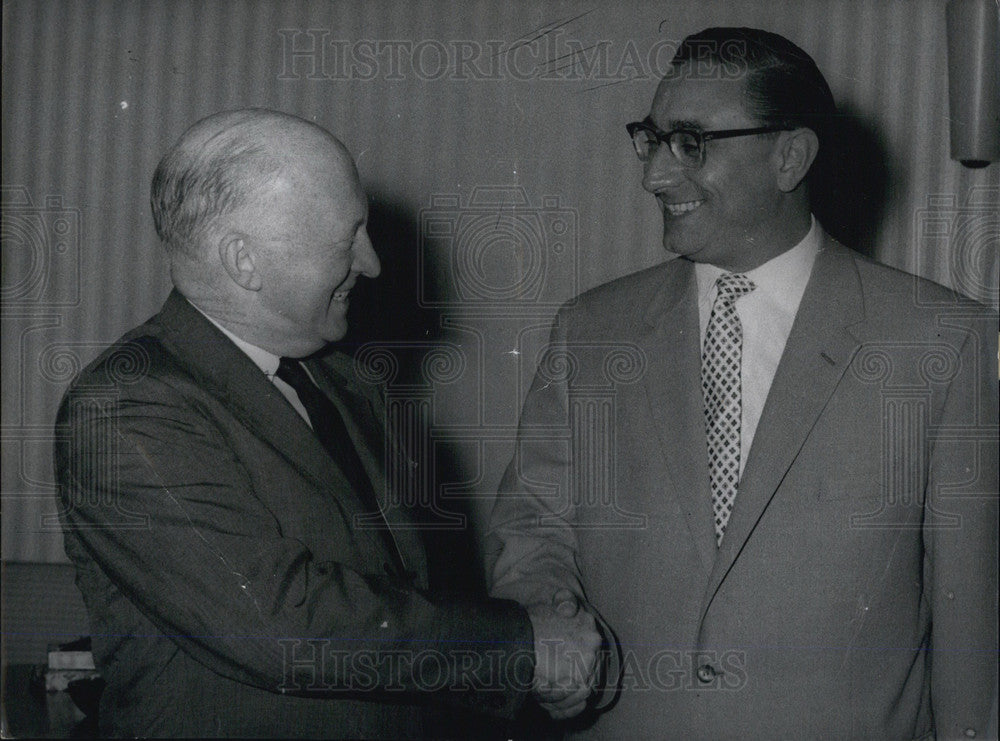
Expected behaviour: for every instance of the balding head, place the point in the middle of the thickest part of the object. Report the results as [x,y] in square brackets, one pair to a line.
[264,221]
[225,162]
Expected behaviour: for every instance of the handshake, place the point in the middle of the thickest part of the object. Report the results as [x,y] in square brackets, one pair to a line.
[567,643]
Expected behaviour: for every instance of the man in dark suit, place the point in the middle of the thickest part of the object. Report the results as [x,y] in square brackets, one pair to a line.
[220,477]
[770,464]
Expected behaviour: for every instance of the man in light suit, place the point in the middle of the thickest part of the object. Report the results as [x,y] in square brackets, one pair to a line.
[770,464]
[220,475]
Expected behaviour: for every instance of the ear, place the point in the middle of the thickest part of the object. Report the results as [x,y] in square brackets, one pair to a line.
[238,260]
[797,150]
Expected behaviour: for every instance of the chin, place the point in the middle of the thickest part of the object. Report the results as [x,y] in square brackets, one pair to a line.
[694,246]
[334,325]
[335,333]
[676,247]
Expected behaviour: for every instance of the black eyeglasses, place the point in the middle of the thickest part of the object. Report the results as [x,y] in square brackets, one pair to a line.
[687,145]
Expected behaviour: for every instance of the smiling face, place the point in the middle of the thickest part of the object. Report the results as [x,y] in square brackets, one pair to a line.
[310,245]
[730,212]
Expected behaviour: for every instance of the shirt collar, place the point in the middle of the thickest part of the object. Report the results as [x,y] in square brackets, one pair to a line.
[782,278]
[266,361]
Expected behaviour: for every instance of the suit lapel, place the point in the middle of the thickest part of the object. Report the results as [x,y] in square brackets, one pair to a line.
[226,372]
[820,347]
[673,385]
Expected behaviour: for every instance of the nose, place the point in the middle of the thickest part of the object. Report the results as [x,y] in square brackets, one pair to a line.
[662,170]
[366,262]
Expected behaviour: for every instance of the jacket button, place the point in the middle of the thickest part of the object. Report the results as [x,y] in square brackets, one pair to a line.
[706,673]
[970,732]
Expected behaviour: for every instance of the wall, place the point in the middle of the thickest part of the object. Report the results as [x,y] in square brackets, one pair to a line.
[94,92]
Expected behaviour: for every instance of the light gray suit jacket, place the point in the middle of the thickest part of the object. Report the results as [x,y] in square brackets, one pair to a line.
[854,594]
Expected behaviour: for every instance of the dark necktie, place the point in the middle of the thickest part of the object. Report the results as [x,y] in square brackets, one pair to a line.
[330,429]
[721,362]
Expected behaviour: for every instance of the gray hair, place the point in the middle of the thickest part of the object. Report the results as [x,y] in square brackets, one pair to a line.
[200,180]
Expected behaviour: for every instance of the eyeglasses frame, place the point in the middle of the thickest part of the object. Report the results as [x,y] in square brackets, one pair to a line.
[663,137]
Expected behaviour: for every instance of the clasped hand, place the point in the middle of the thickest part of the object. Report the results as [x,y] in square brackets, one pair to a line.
[566,648]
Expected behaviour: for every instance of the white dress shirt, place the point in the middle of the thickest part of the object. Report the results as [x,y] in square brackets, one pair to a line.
[767,314]
[267,362]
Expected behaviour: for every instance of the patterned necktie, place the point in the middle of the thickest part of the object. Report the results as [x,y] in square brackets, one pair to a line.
[720,385]
[330,429]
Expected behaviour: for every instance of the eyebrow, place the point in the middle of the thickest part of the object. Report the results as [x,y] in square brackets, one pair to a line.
[349,239]
[678,123]
[365,213]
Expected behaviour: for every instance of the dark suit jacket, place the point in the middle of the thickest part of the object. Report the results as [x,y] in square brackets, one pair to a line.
[231,590]
[854,593]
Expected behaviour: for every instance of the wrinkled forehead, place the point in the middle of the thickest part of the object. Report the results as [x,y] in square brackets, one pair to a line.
[693,96]
[315,195]
[318,181]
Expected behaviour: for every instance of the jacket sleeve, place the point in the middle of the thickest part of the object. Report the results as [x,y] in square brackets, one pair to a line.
[960,537]
[154,494]
[531,544]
